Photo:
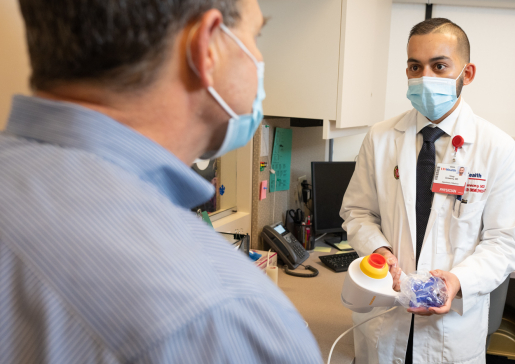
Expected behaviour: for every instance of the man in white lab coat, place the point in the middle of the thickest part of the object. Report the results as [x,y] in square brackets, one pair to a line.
[389,208]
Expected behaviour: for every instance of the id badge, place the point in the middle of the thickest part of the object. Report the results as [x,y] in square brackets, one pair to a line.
[450,179]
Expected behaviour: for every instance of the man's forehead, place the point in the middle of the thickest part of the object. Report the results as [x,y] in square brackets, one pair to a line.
[433,45]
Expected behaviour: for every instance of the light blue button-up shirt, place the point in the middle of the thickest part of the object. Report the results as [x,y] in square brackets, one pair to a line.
[101,260]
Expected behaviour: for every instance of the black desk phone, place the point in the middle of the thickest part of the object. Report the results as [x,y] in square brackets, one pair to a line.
[291,252]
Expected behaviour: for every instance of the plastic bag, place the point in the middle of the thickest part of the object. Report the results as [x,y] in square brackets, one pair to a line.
[421,289]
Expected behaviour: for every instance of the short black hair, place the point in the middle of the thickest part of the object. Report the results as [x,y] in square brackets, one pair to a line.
[117,43]
[442,25]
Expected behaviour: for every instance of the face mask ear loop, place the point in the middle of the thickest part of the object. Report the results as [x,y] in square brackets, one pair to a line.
[210,89]
[188,50]
[457,78]
[222,103]
[460,75]
[239,42]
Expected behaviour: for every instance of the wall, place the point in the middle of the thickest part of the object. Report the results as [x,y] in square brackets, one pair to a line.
[273,208]
[484,3]
[228,175]
[346,149]
[14,62]
[493,52]
[307,146]
[241,220]
[404,17]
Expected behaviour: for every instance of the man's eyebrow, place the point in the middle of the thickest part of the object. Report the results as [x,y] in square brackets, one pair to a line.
[439,58]
[434,59]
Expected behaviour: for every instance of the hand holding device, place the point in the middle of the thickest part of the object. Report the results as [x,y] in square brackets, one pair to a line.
[453,286]
[395,270]
[421,291]
[368,284]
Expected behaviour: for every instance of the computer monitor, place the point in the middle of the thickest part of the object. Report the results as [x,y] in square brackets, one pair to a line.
[329,183]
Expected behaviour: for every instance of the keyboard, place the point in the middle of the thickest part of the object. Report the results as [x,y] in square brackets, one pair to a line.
[339,262]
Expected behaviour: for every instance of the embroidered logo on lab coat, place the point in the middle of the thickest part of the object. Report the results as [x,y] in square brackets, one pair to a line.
[476,183]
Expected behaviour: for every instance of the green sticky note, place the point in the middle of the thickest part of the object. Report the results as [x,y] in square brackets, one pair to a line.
[206,218]
[341,252]
[281,160]
[323,249]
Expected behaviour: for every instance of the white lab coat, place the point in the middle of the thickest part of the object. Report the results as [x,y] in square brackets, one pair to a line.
[478,245]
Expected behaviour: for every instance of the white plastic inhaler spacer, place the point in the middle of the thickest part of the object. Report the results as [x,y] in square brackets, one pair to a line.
[368,284]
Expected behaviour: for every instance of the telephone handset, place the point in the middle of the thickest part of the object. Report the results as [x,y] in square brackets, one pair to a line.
[288,247]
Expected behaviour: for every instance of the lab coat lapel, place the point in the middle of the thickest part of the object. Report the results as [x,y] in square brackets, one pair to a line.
[464,128]
[406,158]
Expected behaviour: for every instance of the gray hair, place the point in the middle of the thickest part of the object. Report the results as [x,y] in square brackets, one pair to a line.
[117,43]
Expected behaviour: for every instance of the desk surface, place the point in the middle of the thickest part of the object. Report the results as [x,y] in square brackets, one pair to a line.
[318,301]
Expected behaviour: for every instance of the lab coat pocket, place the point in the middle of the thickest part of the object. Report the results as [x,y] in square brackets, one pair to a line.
[466,225]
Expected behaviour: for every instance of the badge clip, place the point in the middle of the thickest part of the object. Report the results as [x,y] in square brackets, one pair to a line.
[457,142]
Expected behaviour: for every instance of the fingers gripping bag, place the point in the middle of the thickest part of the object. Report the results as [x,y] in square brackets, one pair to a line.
[421,289]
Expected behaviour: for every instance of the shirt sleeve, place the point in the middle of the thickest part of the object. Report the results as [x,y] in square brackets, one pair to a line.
[245,330]
[360,208]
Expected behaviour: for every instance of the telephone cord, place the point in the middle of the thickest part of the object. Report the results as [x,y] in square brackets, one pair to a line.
[307,275]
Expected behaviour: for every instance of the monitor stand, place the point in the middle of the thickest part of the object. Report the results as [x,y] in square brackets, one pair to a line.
[336,240]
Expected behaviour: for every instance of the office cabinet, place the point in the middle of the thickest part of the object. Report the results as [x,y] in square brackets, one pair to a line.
[326,59]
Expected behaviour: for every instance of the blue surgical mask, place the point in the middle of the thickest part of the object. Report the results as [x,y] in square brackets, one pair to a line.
[433,97]
[241,128]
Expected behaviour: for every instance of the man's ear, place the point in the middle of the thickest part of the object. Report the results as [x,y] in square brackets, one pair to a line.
[203,52]
[470,74]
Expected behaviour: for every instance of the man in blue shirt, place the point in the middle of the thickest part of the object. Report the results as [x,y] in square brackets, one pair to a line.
[101,260]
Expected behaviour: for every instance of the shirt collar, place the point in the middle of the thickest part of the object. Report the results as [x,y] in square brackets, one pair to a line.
[72,126]
[447,124]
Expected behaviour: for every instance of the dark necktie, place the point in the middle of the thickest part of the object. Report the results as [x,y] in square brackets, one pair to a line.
[425,172]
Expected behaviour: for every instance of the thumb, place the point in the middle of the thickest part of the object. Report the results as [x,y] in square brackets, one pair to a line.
[437,273]
[391,260]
